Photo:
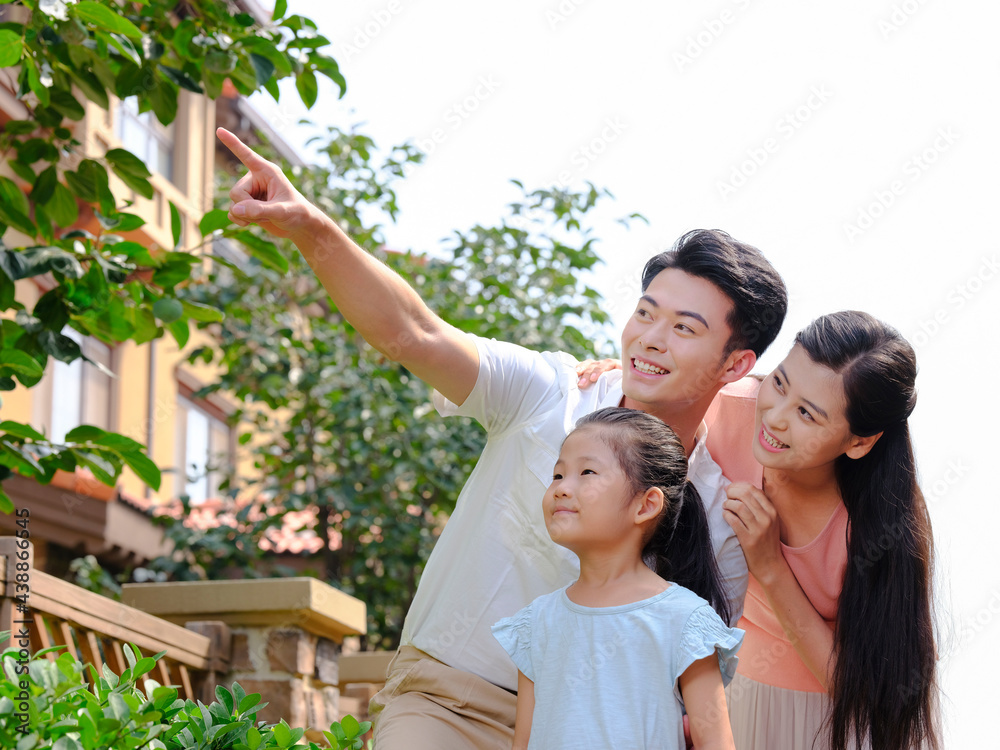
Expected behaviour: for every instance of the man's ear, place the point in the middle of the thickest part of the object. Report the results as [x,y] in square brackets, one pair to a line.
[649,505]
[738,364]
[859,446]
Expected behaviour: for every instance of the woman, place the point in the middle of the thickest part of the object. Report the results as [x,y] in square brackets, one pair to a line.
[839,650]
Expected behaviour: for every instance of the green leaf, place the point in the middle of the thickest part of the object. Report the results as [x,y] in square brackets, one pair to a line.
[91,85]
[85,433]
[144,468]
[119,709]
[20,363]
[25,173]
[171,273]
[61,207]
[163,97]
[33,149]
[6,504]
[11,47]
[66,104]
[128,222]
[133,80]
[45,185]
[175,223]
[35,84]
[282,734]
[266,252]
[265,48]
[224,697]
[305,83]
[21,430]
[145,325]
[119,443]
[103,469]
[248,702]
[139,184]
[14,207]
[61,347]
[90,183]
[202,313]
[7,291]
[181,332]
[130,656]
[186,31]
[21,127]
[351,727]
[263,68]
[104,18]
[34,261]
[214,220]
[329,67]
[127,162]
[273,89]
[280,6]
[23,460]
[181,79]
[44,223]
[136,253]
[120,43]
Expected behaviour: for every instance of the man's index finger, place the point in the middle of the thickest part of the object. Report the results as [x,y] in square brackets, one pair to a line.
[250,158]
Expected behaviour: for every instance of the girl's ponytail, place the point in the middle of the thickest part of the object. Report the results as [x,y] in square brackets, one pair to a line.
[680,549]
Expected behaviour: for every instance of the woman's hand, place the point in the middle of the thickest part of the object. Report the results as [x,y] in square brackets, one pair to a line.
[590,370]
[757,526]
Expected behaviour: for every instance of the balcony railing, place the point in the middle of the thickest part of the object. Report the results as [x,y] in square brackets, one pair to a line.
[95,628]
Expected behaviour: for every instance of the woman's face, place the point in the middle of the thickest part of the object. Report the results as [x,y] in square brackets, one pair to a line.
[800,416]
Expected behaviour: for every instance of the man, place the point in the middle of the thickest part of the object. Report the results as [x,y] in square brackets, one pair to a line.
[708,310]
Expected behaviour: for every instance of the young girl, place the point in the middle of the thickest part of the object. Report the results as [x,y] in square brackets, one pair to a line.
[839,634]
[614,659]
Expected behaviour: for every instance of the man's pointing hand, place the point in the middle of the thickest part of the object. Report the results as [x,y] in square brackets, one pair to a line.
[264,196]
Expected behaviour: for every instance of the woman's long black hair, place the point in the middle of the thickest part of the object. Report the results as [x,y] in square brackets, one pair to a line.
[884,687]
[650,454]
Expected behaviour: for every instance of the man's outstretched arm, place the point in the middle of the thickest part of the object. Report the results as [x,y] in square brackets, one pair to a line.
[384,309]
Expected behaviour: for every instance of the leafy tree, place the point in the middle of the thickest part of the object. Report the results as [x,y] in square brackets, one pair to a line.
[105,286]
[359,441]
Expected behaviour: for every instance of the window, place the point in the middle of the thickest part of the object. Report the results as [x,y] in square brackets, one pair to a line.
[204,445]
[146,137]
[79,392]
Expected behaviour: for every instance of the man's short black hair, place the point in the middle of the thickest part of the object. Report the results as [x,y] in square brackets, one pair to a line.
[742,273]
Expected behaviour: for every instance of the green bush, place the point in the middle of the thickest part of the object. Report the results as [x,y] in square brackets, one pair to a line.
[49,704]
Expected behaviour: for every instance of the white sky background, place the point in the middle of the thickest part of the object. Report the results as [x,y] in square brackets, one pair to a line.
[858,99]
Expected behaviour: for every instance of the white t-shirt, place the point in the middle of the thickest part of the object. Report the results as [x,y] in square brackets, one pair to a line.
[609,676]
[494,556]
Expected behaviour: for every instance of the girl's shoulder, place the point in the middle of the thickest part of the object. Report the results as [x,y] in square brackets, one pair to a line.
[686,598]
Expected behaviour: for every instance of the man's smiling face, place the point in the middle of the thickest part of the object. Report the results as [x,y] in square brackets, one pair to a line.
[674,345]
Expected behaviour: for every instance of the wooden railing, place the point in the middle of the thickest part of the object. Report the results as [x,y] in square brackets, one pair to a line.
[95,628]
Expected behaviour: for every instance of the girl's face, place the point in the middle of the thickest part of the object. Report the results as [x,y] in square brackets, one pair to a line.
[587,503]
[801,422]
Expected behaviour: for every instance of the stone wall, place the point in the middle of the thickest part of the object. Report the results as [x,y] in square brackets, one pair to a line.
[295,672]
[286,640]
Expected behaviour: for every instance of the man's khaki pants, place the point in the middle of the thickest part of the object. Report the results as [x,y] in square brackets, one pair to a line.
[427,705]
